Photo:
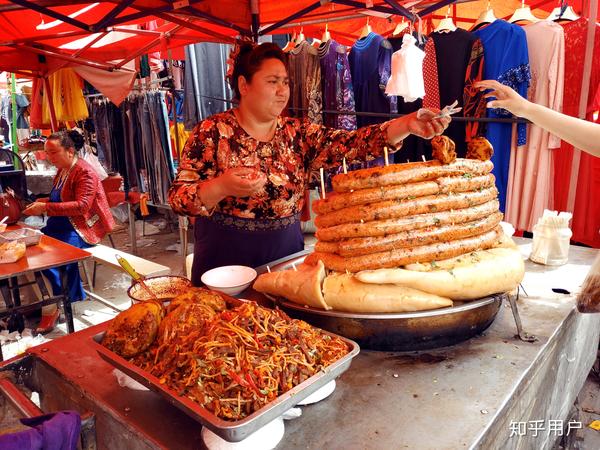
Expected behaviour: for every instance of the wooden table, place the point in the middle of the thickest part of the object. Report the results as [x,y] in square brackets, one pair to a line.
[48,254]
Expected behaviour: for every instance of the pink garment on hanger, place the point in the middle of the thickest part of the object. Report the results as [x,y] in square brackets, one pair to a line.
[115,85]
[531,173]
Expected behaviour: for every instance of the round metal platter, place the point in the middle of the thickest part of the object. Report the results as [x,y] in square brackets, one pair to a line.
[420,330]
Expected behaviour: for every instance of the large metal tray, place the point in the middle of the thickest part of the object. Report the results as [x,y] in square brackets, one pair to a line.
[232,431]
[420,330]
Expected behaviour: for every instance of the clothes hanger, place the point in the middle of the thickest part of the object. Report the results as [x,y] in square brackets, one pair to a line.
[326,36]
[486,16]
[567,12]
[301,37]
[523,13]
[400,27]
[366,30]
[291,43]
[446,24]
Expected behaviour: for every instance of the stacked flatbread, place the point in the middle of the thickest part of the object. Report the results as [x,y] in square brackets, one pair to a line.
[407,237]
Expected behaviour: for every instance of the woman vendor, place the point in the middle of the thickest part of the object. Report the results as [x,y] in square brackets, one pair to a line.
[243,173]
[78,213]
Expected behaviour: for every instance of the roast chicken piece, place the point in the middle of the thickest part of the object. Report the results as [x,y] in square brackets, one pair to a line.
[134,330]
[183,320]
[479,148]
[198,295]
[443,149]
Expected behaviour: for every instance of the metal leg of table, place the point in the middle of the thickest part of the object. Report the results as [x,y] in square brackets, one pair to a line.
[66,300]
[16,292]
[132,233]
[183,238]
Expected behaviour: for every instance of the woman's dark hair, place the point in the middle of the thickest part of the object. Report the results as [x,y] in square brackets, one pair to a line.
[68,139]
[249,60]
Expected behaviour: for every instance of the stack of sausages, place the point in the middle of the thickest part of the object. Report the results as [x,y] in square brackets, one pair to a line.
[402,214]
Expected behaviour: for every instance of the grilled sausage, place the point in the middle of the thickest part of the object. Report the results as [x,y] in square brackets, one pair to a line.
[390,226]
[378,194]
[442,185]
[407,173]
[402,256]
[410,238]
[401,208]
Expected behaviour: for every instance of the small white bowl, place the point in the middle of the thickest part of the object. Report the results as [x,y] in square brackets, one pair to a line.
[231,280]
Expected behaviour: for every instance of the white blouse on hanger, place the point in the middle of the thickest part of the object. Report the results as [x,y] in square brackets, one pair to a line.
[407,71]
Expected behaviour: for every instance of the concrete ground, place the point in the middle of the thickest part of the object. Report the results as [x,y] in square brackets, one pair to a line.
[161,244]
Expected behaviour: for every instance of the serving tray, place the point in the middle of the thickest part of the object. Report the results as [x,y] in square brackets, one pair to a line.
[232,431]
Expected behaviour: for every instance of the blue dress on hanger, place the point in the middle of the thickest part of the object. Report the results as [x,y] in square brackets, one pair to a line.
[505,59]
[60,227]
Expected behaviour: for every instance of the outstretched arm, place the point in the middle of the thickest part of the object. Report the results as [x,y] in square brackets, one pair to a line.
[580,133]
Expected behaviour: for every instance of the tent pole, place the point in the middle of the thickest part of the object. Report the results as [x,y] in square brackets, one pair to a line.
[401,9]
[583,98]
[288,19]
[48,96]
[255,12]
[14,140]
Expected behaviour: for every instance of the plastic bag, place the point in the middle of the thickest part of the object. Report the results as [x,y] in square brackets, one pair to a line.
[588,300]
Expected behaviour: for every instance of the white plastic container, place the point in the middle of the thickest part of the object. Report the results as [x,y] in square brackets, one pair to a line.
[551,239]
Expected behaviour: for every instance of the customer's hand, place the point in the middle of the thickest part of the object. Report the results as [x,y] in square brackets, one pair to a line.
[35,209]
[241,181]
[506,97]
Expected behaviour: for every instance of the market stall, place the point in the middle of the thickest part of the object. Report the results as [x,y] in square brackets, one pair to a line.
[403,241]
[473,394]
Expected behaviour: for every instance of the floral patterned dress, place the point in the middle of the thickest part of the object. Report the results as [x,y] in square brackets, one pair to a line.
[259,229]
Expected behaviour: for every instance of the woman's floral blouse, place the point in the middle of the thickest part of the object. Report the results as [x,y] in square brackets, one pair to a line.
[297,149]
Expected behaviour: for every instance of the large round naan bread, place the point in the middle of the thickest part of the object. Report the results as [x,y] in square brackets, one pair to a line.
[467,277]
[343,292]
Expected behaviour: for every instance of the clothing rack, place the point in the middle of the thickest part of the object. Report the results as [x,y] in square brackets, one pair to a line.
[390,115]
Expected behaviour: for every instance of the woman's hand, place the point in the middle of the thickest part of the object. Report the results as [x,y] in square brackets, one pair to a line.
[35,209]
[236,182]
[241,182]
[506,97]
[427,125]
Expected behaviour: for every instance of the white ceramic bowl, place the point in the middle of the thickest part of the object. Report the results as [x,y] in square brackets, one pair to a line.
[231,280]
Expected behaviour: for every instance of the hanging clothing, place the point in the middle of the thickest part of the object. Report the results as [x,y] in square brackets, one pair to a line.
[506,60]
[67,97]
[370,65]
[430,77]
[454,51]
[204,84]
[304,70]
[336,82]
[183,136]
[136,142]
[415,148]
[474,101]
[406,78]
[531,178]
[586,209]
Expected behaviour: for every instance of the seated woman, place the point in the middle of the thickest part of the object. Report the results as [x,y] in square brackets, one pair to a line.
[78,213]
